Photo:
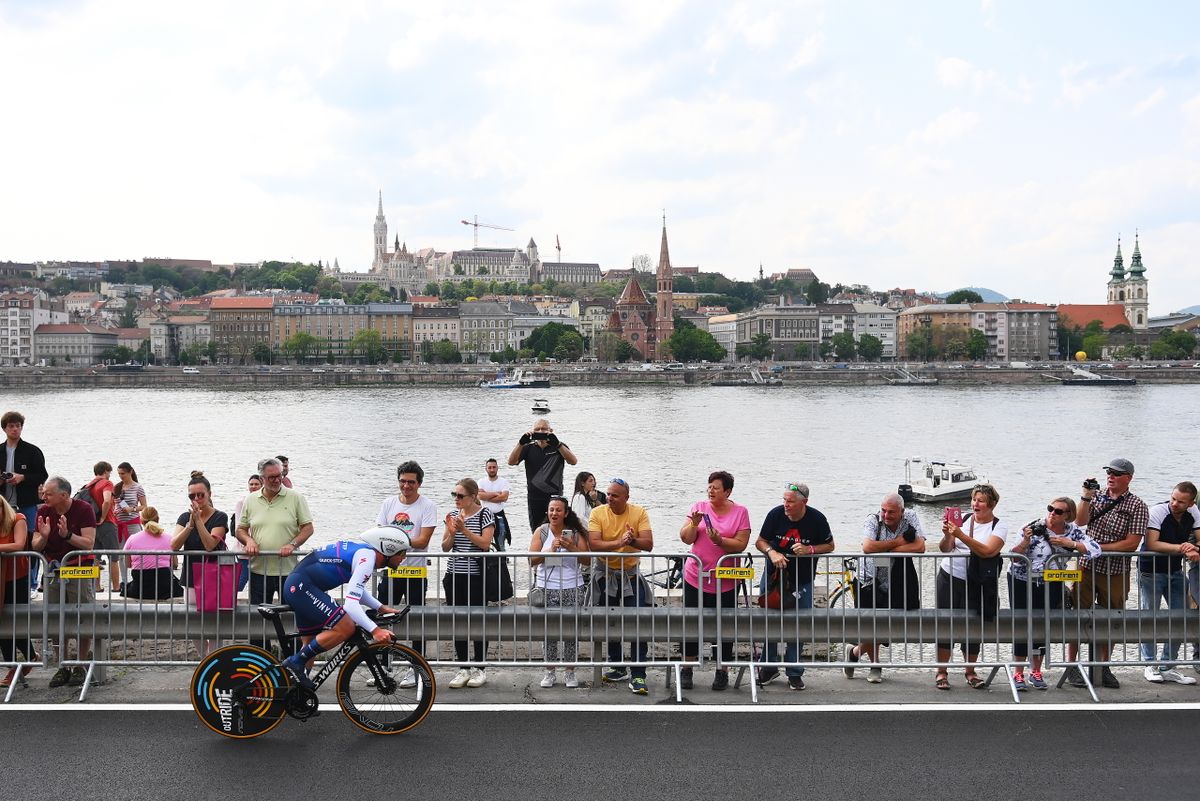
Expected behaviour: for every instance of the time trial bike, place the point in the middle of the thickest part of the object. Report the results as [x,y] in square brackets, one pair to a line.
[243,691]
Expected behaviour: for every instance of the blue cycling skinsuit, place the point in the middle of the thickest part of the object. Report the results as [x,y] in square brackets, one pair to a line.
[327,567]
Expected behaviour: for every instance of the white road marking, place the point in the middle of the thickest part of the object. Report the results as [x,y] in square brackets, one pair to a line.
[670,708]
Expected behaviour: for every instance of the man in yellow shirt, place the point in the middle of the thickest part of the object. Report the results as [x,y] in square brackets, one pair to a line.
[621,527]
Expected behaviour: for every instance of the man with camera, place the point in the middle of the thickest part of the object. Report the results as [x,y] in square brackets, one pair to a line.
[1117,520]
[544,456]
[886,581]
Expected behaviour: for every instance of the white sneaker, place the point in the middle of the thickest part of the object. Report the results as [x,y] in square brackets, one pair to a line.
[371,681]
[549,679]
[1151,673]
[569,678]
[1175,676]
[460,679]
[478,678]
[410,680]
[875,675]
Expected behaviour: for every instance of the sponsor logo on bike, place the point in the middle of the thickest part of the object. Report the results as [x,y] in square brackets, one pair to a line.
[225,708]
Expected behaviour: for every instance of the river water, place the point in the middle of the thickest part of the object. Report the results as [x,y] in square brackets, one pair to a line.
[848,444]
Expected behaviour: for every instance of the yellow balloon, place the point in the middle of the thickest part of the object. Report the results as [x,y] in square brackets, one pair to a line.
[1080,356]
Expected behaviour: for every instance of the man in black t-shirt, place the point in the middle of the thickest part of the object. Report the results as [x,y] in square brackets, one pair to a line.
[1169,544]
[544,456]
[792,535]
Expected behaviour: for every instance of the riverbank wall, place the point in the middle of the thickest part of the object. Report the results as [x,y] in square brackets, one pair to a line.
[470,375]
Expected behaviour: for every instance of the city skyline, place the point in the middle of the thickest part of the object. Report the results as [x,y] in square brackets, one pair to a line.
[1004,145]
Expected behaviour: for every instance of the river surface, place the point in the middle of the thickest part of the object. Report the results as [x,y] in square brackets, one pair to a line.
[848,444]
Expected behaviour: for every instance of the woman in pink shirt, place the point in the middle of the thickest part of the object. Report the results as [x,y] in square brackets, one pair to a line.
[151,577]
[714,527]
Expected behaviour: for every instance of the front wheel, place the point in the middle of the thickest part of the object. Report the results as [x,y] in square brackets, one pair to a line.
[390,696]
[240,691]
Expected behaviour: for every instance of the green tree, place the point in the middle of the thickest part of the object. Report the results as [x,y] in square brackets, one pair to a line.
[262,353]
[329,287]
[817,292]
[843,345]
[302,345]
[964,296]
[1093,345]
[506,356]
[446,352]
[977,344]
[369,344]
[870,348]
[606,346]
[545,338]
[919,345]
[626,352]
[690,344]
[570,346]
[118,354]
[760,347]
[129,313]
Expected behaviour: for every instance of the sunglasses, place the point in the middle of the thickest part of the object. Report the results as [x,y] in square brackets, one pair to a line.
[620,481]
[196,496]
[458,495]
[1112,472]
[1054,510]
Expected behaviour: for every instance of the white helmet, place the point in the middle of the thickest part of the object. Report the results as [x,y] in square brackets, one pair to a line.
[388,540]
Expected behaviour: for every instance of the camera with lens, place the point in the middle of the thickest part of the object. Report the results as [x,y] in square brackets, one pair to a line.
[541,435]
[6,476]
[1038,529]
[1091,484]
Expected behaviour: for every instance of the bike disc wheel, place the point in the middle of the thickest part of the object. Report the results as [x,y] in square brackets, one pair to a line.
[238,691]
[386,710]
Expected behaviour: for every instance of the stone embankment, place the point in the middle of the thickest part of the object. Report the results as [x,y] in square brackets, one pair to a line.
[463,375]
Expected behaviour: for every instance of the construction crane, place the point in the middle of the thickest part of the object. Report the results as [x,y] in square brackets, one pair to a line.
[477,225]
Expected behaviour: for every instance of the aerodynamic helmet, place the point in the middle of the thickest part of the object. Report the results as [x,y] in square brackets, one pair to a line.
[388,540]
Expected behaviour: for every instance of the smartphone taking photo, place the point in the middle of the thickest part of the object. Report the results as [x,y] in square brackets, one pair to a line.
[953,514]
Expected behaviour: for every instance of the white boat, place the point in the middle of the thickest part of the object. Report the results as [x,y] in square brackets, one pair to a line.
[518,380]
[936,480]
[541,406]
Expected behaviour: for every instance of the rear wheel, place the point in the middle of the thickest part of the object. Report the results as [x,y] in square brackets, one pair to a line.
[374,699]
[240,691]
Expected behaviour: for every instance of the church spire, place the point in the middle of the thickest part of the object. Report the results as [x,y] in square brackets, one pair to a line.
[1136,269]
[1118,268]
[379,213]
[664,312]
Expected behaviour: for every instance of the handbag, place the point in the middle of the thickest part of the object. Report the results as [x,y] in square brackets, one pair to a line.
[497,580]
[537,593]
[781,589]
[215,585]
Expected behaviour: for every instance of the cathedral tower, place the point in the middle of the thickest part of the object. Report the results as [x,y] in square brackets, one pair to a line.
[664,320]
[380,236]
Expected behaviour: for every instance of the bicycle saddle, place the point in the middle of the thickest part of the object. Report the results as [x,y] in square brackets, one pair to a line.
[271,611]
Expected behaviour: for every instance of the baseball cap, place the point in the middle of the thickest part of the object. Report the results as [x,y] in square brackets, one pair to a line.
[1120,465]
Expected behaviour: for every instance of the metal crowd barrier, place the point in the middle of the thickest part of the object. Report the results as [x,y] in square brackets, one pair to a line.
[24,628]
[1137,632]
[131,631]
[820,624]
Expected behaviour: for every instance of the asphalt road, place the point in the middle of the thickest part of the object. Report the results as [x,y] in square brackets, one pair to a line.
[622,756]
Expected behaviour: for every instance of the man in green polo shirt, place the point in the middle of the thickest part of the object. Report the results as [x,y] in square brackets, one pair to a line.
[273,519]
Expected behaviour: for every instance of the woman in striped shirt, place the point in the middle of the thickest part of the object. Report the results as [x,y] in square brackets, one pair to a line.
[469,529]
[129,501]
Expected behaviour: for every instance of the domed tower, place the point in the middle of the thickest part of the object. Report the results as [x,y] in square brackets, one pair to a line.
[1116,279]
[1137,291]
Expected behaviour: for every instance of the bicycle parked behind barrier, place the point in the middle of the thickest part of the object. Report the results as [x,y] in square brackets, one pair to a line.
[242,691]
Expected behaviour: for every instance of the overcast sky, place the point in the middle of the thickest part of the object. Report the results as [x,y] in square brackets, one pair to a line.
[931,145]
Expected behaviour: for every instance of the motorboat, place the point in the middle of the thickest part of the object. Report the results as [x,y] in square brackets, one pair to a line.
[541,406]
[518,380]
[936,480]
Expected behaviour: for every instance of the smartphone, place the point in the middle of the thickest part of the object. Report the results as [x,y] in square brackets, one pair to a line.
[953,514]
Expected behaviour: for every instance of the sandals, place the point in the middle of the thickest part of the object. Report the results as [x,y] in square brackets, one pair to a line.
[942,682]
[974,682]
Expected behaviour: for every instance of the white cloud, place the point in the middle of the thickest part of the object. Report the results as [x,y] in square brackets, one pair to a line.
[946,127]
[958,73]
[1150,101]
[807,53]
[1081,81]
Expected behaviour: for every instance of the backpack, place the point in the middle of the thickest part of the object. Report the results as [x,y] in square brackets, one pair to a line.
[84,494]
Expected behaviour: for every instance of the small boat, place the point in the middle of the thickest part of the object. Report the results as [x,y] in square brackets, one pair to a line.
[541,406]
[518,380]
[935,480]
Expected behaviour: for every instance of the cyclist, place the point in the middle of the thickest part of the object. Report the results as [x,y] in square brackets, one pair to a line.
[341,562]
